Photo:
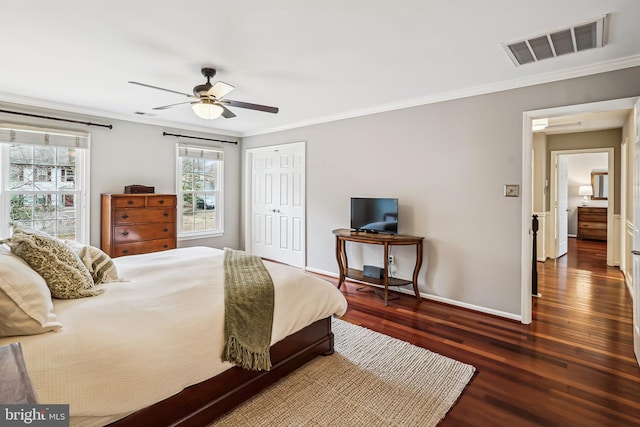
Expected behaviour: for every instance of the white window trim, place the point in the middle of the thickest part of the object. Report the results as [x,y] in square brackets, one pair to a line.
[82,176]
[219,231]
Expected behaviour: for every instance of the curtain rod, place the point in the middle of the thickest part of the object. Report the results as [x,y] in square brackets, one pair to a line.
[56,118]
[197,137]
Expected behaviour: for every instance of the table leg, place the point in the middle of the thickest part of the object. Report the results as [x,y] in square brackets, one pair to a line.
[339,258]
[416,269]
[386,273]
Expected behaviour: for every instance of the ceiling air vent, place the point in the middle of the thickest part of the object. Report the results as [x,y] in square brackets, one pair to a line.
[575,39]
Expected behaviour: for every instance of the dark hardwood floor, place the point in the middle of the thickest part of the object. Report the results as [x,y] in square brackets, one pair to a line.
[573,366]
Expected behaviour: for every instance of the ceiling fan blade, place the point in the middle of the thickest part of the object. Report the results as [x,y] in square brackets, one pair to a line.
[161,88]
[219,90]
[164,107]
[226,113]
[250,106]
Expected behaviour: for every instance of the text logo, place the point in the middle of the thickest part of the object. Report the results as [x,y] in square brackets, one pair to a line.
[34,415]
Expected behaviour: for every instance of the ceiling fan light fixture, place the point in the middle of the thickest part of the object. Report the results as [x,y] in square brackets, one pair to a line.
[207,109]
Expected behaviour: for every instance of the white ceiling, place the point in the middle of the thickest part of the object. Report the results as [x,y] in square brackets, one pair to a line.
[316,61]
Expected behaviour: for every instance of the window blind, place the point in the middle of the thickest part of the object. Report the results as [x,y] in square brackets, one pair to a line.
[19,134]
[201,152]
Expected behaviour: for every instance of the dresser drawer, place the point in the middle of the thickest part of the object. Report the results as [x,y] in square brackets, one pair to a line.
[592,226]
[593,216]
[144,247]
[161,200]
[131,202]
[133,215]
[139,232]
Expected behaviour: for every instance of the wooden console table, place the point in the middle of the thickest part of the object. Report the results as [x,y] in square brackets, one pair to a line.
[344,235]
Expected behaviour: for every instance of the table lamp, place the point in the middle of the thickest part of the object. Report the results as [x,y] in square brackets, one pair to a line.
[586,191]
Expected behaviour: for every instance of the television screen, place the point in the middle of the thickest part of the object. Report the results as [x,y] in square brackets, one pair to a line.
[375,215]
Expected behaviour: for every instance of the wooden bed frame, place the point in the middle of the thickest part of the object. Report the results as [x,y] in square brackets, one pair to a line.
[202,403]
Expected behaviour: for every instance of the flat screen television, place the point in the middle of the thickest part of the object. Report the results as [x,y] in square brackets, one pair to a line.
[374,215]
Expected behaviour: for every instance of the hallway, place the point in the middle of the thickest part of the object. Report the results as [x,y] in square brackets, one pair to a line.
[587,297]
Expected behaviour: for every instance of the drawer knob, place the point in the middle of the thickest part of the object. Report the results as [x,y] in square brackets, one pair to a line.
[125,216]
[125,233]
[130,202]
[166,214]
[166,246]
[166,229]
[125,251]
[161,202]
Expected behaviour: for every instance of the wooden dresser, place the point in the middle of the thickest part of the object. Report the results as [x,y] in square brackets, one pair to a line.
[137,223]
[592,223]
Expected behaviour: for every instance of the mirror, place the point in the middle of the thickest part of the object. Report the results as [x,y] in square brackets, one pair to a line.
[600,185]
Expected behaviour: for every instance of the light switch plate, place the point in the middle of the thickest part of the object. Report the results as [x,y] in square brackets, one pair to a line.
[511,190]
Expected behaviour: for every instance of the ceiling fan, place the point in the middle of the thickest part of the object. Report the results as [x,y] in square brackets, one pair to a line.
[210,99]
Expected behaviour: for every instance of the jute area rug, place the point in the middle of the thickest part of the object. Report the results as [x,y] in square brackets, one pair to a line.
[371,380]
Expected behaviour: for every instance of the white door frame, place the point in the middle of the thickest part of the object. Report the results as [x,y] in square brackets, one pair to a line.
[526,206]
[635,282]
[611,242]
[248,193]
[554,197]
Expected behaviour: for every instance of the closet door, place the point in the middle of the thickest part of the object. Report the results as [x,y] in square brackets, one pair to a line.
[278,203]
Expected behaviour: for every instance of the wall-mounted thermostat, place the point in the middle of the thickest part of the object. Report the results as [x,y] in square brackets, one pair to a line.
[511,190]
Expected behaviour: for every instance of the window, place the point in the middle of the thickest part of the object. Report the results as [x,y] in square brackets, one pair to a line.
[44,181]
[199,182]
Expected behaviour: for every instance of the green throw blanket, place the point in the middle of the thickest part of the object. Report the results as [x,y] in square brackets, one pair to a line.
[248,318]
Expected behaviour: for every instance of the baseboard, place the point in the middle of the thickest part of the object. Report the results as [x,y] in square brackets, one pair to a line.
[437,298]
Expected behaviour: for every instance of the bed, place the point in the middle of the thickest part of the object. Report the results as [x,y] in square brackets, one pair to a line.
[147,350]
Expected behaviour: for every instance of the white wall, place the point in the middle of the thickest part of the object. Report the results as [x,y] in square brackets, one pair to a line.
[447,163]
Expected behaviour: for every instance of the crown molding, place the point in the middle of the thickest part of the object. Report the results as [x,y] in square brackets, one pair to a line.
[602,67]
[33,103]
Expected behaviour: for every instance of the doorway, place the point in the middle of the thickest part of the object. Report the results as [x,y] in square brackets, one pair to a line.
[527,182]
[574,169]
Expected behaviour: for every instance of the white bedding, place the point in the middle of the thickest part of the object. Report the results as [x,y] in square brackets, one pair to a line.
[161,330]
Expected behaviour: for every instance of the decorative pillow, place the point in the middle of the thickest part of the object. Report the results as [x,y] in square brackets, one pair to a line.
[64,272]
[99,264]
[25,300]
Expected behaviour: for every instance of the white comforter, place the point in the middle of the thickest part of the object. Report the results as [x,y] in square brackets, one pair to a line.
[156,333]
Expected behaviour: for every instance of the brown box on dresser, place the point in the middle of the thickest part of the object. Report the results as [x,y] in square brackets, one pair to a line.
[592,223]
[137,223]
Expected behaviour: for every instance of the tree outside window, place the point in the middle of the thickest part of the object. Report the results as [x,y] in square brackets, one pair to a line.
[199,190]
[41,190]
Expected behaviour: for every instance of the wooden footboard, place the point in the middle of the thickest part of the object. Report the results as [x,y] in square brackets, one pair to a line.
[202,403]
